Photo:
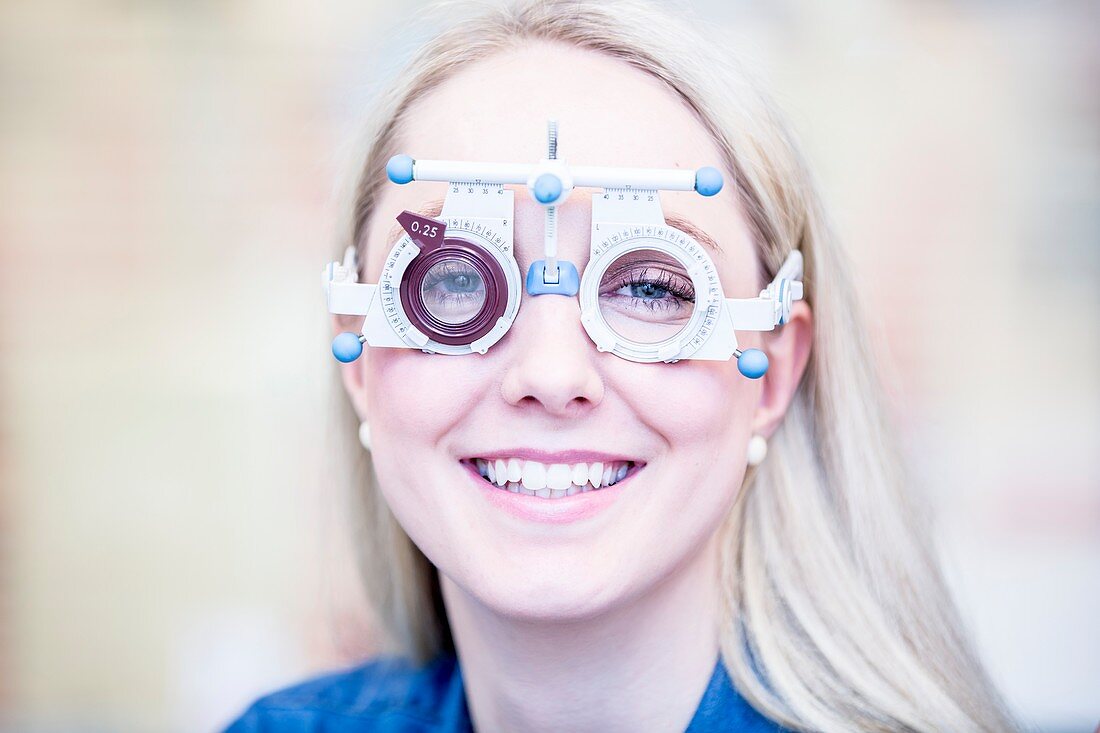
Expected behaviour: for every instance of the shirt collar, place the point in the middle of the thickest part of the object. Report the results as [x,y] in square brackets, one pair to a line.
[722,708]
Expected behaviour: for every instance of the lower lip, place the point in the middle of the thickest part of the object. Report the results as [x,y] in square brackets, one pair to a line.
[562,510]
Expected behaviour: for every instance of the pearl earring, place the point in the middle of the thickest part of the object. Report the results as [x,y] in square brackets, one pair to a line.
[364,434]
[758,448]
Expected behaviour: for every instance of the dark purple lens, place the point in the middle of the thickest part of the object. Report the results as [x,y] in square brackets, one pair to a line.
[455,293]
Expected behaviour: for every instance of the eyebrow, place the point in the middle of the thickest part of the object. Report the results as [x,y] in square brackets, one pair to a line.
[433,209]
[679,222]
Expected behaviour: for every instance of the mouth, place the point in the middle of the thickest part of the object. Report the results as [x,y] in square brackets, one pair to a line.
[551,480]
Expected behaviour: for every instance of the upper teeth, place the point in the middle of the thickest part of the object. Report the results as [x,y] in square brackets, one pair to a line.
[556,479]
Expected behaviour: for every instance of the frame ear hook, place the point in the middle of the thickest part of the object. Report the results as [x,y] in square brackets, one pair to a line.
[347,346]
[351,265]
[780,294]
[786,287]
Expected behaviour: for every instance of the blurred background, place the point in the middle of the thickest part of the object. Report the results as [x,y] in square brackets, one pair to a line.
[170,530]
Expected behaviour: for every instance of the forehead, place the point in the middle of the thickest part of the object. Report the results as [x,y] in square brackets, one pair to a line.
[609,114]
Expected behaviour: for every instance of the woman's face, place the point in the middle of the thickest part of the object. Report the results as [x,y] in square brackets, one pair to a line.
[544,386]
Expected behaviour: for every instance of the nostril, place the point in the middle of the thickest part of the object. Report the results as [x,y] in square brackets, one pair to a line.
[553,377]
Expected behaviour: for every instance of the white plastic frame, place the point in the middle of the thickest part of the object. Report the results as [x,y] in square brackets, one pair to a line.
[632,222]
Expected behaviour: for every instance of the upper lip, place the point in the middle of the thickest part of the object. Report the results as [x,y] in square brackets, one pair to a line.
[551,457]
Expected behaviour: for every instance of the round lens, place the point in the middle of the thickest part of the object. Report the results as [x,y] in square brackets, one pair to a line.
[646,296]
[452,291]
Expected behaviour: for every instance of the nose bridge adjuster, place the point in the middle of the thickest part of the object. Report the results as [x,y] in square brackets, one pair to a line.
[550,184]
[565,281]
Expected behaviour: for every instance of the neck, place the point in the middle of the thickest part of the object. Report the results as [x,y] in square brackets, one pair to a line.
[643,665]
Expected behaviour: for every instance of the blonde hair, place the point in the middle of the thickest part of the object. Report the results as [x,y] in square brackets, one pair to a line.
[836,616]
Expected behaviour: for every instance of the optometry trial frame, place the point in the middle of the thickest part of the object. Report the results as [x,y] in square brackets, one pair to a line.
[649,293]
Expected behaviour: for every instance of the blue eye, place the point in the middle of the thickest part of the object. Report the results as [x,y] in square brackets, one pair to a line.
[452,291]
[652,292]
[462,282]
[646,296]
[649,287]
[451,278]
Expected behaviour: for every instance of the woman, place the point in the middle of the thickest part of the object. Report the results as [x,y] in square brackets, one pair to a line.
[799,593]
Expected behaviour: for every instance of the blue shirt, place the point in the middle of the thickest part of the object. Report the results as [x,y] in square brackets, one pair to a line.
[389,695]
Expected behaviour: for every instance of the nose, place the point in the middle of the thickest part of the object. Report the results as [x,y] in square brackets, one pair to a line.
[550,360]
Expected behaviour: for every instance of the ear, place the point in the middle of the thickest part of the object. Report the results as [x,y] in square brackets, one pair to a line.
[351,374]
[788,350]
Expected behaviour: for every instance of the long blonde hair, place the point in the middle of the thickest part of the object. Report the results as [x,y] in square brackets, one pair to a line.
[836,616]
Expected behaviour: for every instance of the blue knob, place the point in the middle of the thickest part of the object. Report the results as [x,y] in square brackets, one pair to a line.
[400,169]
[708,181]
[752,363]
[547,188]
[347,347]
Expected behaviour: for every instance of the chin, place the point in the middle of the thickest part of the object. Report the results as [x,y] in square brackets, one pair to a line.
[539,593]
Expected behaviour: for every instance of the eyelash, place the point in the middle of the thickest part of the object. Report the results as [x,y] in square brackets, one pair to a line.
[664,281]
[445,273]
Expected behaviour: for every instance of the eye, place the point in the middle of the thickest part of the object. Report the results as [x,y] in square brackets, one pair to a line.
[452,278]
[463,283]
[651,287]
[646,296]
[650,280]
[452,291]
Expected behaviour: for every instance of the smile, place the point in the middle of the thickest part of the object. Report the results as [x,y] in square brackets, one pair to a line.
[551,480]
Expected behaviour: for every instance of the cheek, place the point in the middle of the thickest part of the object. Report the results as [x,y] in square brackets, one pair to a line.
[703,412]
[414,402]
[699,408]
[414,397]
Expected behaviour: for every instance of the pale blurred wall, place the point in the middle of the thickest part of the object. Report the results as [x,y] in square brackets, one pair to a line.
[169,529]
